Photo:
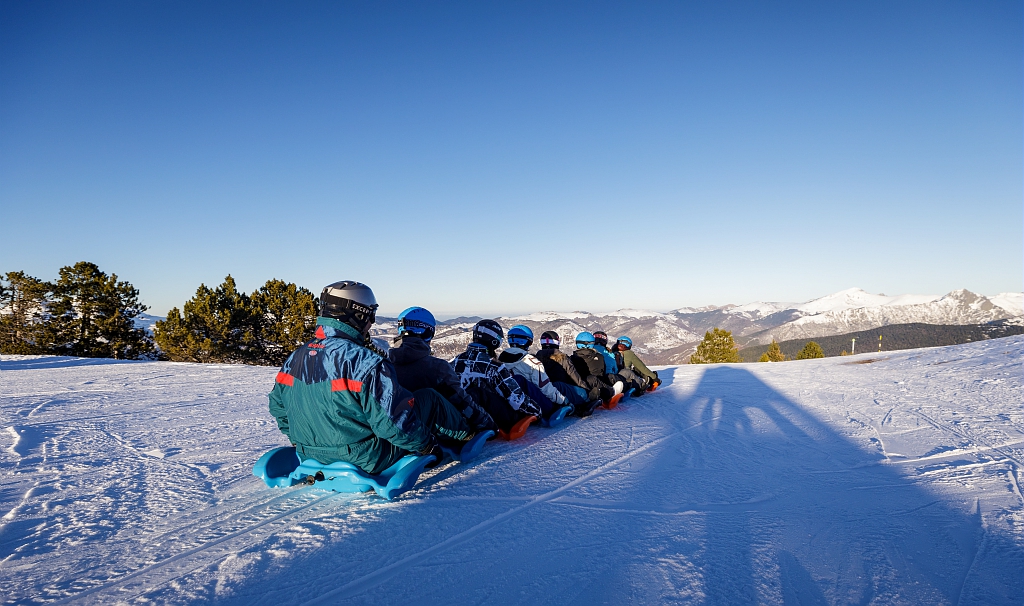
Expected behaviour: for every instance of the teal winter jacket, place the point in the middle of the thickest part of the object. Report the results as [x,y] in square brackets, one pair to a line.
[338,400]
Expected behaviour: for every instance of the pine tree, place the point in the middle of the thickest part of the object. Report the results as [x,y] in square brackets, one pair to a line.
[717,347]
[810,351]
[24,310]
[774,354]
[216,325]
[93,315]
[286,319]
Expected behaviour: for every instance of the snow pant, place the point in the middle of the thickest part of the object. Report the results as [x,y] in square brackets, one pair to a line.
[535,394]
[436,413]
[575,395]
[498,407]
[604,390]
[633,381]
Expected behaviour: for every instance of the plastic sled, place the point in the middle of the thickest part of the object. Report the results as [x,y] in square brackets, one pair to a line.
[556,417]
[654,386]
[614,401]
[471,448]
[281,468]
[518,429]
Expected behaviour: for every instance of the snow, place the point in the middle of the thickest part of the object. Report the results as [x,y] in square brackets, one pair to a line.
[855,298]
[889,478]
[1012,302]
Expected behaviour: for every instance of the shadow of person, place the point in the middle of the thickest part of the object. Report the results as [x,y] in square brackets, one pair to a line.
[791,511]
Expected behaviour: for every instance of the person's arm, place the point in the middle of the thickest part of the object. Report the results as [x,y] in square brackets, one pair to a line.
[507,388]
[631,359]
[543,381]
[389,410]
[476,416]
[277,409]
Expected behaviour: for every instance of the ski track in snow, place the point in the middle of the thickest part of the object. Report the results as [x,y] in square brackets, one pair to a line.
[892,479]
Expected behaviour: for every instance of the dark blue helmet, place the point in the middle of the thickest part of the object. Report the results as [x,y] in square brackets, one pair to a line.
[488,333]
[520,336]
[416,321]
[601,338]
[625,342]
[584,340]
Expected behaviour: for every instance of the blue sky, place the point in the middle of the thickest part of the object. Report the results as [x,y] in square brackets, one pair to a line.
[502,157]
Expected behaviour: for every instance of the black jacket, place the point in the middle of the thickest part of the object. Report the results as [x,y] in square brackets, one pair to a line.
[417,369]
[588,362]
[560,368]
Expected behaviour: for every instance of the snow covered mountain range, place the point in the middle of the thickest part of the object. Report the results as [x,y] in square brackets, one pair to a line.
[667,338]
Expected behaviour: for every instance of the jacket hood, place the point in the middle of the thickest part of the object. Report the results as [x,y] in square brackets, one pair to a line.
[408,350]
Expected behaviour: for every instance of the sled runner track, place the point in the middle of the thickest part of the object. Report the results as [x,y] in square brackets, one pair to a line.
[967,435]
[214,534]
[378,576]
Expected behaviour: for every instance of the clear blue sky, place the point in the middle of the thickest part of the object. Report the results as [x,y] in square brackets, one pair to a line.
[493,157]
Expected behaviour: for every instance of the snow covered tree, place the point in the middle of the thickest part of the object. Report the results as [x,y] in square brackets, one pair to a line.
[286,318]
[215,325]
[24,304]
[718,346]
[774,354]
[93,315]
[810,351]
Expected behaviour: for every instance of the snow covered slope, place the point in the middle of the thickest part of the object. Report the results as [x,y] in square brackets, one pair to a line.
[865,479]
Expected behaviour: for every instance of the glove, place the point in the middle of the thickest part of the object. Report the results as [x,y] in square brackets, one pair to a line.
[438,455]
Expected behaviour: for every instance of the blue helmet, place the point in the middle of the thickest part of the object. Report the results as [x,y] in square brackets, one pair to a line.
[520,336]
[585,340]
[626,342]
[416,321]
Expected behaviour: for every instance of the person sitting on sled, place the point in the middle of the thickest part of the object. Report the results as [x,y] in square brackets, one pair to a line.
[337,398]
[528,371]
[584,396]
[489,383]
[590,365]
[417,369]
[644,378]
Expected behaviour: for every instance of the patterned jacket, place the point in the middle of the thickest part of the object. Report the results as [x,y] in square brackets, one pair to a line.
[337,400]
[475,366]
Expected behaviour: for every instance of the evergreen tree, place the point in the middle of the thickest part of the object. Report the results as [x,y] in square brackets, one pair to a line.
[717,347]
[774,354]
[93,315]
[216,325]
[810,351]
[24,310]
[286,319]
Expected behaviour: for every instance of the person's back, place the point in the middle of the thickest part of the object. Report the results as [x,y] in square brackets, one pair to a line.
[488,381]
[418,369]
[601,346]
[631,362]
[337,398]
[532,376]
[590,366]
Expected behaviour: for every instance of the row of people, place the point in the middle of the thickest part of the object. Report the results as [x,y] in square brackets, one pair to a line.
[340,398]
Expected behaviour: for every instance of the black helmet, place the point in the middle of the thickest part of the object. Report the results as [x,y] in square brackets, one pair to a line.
[488,333]
[350,302]
[549,339]
[601,338]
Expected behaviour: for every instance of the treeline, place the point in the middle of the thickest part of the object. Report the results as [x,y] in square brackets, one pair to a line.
[91,314]
[894,337]
[225,325]
[84,313]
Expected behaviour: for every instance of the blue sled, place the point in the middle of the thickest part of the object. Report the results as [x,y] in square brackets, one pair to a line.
[556,417]
[471,448]
[281,467]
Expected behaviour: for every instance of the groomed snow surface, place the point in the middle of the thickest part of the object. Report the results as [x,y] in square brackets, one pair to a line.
[873,479]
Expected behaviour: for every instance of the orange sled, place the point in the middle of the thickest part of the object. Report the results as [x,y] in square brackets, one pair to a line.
[518,429]
[613,402]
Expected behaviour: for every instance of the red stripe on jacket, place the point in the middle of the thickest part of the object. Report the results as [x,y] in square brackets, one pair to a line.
[285,379]
[346,385]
